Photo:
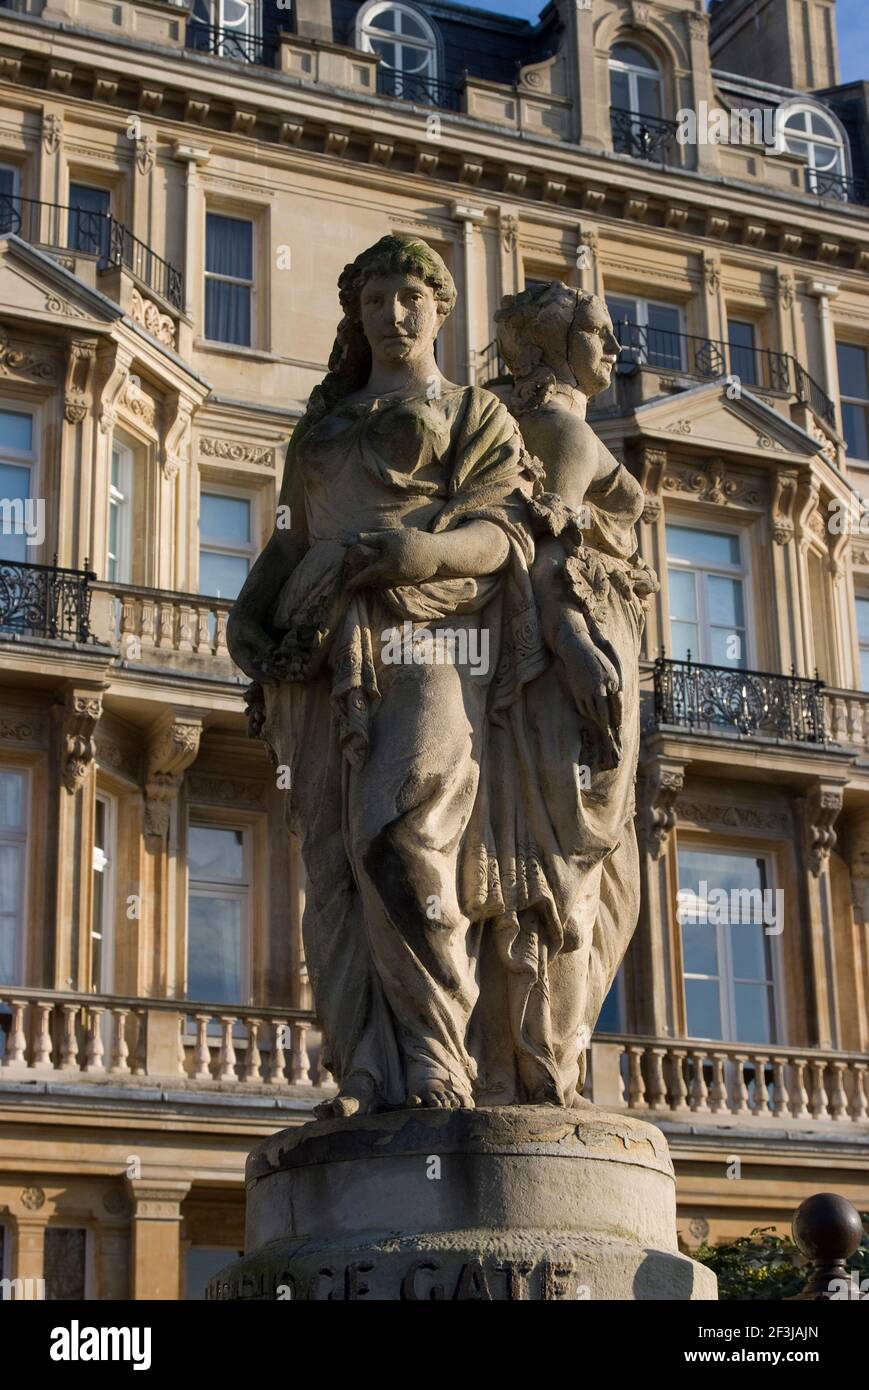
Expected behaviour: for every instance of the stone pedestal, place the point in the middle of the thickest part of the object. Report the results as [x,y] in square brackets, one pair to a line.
[520,1203]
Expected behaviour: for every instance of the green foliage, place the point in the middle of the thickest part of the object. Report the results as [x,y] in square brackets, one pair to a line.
[764,1265]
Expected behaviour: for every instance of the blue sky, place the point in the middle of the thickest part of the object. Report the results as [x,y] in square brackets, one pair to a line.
[853,29]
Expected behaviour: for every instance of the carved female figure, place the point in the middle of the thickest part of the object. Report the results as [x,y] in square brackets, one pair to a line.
[408,506]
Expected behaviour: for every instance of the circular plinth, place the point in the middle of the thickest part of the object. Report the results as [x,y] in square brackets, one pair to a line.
[520,1203]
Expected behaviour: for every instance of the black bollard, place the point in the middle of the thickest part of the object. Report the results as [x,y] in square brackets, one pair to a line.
[827,1229]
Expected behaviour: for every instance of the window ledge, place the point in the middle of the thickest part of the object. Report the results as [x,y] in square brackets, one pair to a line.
[235,350]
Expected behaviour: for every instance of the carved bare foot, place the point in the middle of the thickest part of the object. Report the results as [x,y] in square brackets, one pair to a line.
[357,1096]
[436,1094]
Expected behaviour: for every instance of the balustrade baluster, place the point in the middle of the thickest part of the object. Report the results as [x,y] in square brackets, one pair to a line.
[739,1104]
[226,1061]
[254,1059]
[779,1088]
[761,1096]
[42,1050]
[636,1084]
[277,1073]
[120,1050]
[699,1089]
[301,1062]
[679,1090]
[838,1099]
[202,1055]
[16,1044]
[657,1087]
[858,1099]
[819,1101]
[140,1060]
[799,1094]
[718,1090]
[69,1041]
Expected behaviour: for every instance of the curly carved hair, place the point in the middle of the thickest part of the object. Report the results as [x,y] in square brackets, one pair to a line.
[350,359]
[534,329]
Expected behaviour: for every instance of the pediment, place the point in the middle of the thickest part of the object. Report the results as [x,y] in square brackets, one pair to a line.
[35,287]
[705,417]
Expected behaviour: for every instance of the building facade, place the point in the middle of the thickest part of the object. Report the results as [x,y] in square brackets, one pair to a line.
[180,185]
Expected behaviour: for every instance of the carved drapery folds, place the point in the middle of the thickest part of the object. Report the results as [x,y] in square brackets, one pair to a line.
[81,713]
[661,784]
[173,746]
[78,390]
[820,809]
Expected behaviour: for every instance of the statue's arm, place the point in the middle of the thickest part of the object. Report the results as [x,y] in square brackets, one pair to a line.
[247,636]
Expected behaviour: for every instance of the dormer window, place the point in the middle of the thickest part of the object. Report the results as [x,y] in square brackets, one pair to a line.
[226,28]
[635,81]
[812,135]
[407,46]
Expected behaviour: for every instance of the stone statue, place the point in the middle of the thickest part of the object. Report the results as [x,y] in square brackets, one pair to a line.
[445,651]
[444,647]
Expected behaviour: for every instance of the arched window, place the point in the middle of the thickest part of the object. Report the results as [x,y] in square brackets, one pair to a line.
[635,81]
[407,46]
[227,28]
[814,136]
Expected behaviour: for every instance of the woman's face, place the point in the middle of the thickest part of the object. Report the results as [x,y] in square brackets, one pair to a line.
[593,349]
[399,318]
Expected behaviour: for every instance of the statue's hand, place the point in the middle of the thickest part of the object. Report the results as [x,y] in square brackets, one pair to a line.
[249,646]
[592,678]
[391,558]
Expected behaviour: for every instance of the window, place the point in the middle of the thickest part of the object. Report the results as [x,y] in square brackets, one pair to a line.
[814,137]
[648,332]
[217,914]
[743,363]
[17,457]
[119,566]
[854,396]
[229,279]
[226,545]
[725,910]
[202,1263]
[102,911]
[227,28]
[10,203]
[635,82]
[13,867]
[89,210]
[612,1013]
[65,1263]
[706,579]
[862,606]
[407,48]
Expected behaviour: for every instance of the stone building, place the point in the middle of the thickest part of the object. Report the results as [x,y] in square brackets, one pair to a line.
[180,184]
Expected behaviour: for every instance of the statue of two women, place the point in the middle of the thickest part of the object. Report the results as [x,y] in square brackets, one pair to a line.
[466,824]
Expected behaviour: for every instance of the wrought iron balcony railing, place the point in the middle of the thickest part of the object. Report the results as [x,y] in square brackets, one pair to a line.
[643,137]
[90,233]
[841,187]
[419,88]
[708,358]
[45,601]
[692,695]
[238,45]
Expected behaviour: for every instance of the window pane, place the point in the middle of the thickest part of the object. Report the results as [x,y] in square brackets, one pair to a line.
[228,313]
[214,949]
[862,607]
[65,1264]
[702,547]
[649,96]
[685,639]
[11,801]
[856,430]
[725,601]
[683,595]
[385,20]
[16,431]
[221,576]
[664,340]
[11,893]
[703,1006]
[852,371]
[699,951]
[864,669]
[14,487]
[635,57]
[609,1020]
[224,519]
[727,647]
[620,91]
[753,1014]
[622,310]
[88,227]
[229,246]
[215,854]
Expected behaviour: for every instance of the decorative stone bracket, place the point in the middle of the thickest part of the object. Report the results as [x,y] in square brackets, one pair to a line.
[176,441]
[173,746]
[78,390]
[781,512]
[662,782]
[113,391]
[820,809]
[650,464]
[80,716]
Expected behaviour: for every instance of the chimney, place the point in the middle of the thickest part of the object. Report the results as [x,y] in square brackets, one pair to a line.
[314,19]
[791,43]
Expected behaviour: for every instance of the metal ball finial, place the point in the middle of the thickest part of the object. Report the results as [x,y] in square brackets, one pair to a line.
[827,1229]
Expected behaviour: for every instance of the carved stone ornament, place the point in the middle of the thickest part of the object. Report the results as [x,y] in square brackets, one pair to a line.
[173,746]
[659,789]
[52,132]
[146,313]
[20,362]
[820,810]
[234,451]
[78,389]
[80,716]
[784,495]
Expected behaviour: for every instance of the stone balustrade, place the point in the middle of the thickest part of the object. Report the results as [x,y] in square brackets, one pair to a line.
[57,1036]
[848,718]
[681,1078]
[160,627]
